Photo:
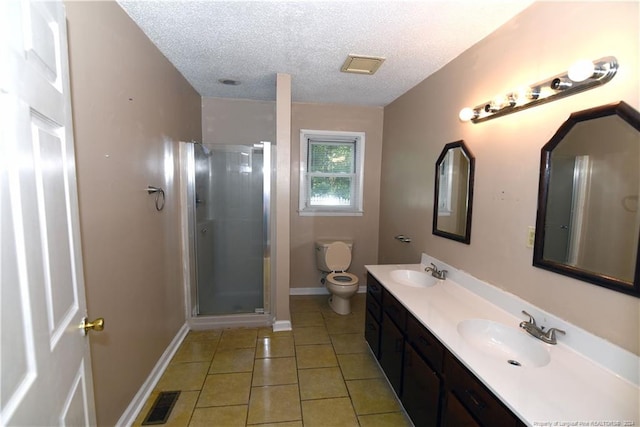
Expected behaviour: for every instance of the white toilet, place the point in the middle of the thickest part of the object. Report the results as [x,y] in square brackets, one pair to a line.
[334,257]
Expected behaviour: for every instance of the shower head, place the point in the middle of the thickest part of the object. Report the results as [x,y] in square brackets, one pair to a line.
[205,149]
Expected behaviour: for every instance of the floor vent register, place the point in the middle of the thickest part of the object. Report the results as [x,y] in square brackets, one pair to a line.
[161,408]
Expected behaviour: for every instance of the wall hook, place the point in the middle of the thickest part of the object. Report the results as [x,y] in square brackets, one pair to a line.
[158,192]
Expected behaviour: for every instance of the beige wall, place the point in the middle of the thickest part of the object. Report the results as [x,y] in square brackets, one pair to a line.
[363,230]
[282,197]
[238,121]
[130,108]
[540,42]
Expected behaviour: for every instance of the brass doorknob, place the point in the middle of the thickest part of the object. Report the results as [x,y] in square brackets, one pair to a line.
[97,325]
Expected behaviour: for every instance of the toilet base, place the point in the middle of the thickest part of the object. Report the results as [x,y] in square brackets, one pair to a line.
[340,305]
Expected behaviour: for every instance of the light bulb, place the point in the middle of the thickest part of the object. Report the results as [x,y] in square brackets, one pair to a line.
[525,94]
[499,101]
[467,114]
[581,70]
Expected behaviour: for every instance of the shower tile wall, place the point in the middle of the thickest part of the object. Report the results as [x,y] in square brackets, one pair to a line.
[229,224]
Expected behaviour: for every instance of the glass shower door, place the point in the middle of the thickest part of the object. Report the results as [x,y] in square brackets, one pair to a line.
[231,227]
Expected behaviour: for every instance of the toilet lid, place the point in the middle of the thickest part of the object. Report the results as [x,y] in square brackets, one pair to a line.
[342,279]
[338,256]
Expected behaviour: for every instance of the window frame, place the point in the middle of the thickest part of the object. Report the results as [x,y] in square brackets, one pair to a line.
[357,183]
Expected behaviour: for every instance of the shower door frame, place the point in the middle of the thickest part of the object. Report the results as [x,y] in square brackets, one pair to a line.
[188,228]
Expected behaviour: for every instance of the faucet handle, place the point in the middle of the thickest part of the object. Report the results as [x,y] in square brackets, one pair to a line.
[551,333]
[531,319]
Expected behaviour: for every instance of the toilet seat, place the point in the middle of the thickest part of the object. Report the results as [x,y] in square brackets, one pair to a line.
[342,279]
[338,256]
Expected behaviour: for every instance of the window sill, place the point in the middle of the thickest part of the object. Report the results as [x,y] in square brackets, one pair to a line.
[330,213]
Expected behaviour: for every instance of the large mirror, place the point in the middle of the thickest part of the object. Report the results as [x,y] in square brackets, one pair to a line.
[588,224]
[454,192]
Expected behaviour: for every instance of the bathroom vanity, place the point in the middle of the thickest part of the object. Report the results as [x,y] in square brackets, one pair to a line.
[455,358]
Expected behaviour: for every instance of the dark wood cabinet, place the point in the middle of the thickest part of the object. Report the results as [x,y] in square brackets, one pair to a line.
[434,387]
[374,307]
[391,351]
[455,415]
[420,389]
[374,288]
[425,343]
[475,397]
[394,321]
[395,310]
[372,333]
[373,315]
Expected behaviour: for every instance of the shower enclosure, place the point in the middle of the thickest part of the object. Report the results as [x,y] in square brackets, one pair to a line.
[228,211]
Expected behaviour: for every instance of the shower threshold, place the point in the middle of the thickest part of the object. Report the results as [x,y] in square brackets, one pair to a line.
[230,320]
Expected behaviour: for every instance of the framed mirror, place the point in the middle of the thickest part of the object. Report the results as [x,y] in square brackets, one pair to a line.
[453,193]
[588,223]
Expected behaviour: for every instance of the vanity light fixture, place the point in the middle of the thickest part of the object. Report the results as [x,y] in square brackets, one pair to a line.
[581,76]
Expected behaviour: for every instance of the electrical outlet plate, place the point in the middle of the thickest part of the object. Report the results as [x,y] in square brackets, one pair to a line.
[531,236]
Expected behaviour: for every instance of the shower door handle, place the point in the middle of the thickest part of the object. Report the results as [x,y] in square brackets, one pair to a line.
[204,231]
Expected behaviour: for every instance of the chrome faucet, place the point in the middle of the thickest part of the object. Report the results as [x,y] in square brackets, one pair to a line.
[530,326]
[438,274]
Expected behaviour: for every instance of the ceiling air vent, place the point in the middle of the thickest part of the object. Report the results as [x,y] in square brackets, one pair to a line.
[361,64]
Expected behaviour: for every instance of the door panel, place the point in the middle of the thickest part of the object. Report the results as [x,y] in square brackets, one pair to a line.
[559,211]
[61,299]
[45,373]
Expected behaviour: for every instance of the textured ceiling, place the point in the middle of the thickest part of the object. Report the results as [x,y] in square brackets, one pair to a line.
[251,41]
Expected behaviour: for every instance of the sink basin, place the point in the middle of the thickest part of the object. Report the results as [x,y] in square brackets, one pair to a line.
[413,278]
[504,342]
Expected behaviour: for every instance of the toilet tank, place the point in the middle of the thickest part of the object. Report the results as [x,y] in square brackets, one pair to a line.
[321,249]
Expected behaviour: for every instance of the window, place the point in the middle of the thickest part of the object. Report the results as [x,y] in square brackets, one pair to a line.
[331,172]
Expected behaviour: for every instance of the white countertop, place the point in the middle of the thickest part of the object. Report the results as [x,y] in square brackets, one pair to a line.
[571,390]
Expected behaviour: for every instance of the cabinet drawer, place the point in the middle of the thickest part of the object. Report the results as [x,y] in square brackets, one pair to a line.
[395,310]
[473,395]
[374,288]
[425,343]
[374,308]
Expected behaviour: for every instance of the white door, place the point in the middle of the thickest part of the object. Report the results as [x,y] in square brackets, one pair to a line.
[45,362]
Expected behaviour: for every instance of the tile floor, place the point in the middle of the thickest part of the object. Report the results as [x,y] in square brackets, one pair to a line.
[320,374]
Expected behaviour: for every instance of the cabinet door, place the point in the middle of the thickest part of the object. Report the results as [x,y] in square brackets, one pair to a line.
[420,389]
[455,415]
[372,333]
[391,349]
